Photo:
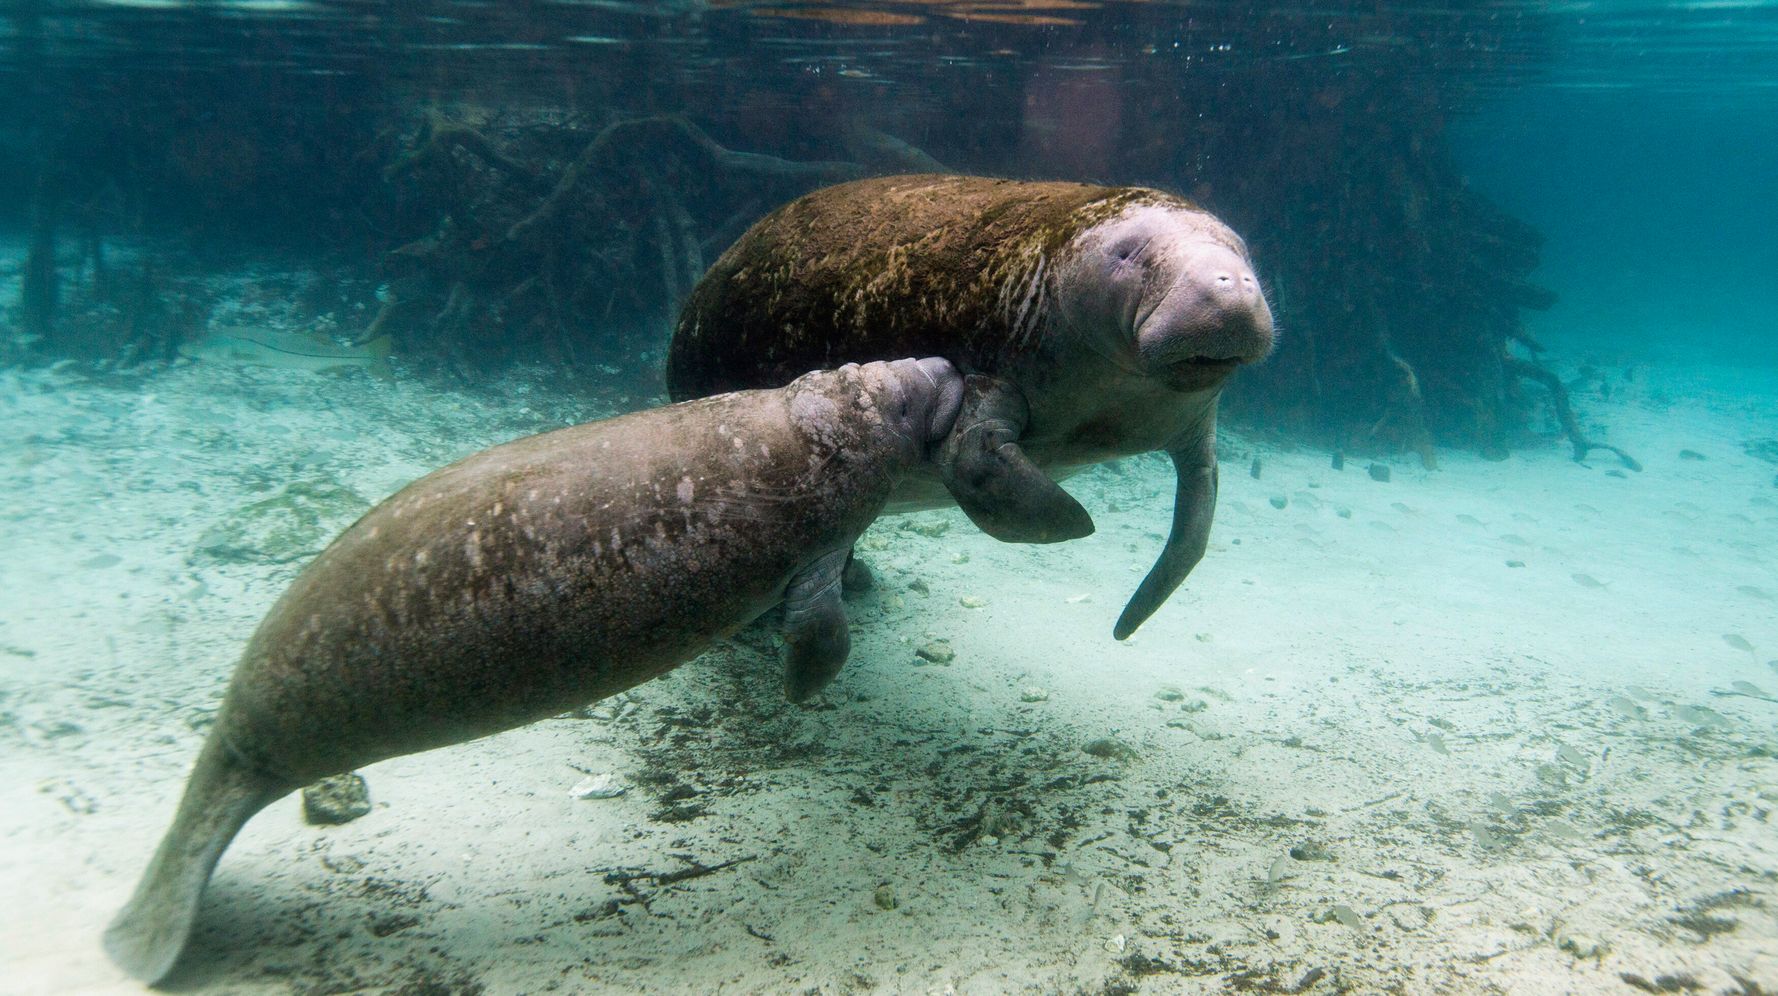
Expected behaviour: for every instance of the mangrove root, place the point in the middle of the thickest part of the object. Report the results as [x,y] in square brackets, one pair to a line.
[1565,414]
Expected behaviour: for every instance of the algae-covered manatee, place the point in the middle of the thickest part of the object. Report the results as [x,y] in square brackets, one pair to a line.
[1091,323]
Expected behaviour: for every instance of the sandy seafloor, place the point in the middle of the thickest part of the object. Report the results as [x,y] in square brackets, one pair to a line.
[1495,779]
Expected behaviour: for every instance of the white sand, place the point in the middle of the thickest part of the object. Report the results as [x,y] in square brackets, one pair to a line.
[1379,685]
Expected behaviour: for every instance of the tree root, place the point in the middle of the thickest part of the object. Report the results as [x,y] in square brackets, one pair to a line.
[1407,407]
[673,126]
[439,135]
[682,254]
[881,149]
[1564,414]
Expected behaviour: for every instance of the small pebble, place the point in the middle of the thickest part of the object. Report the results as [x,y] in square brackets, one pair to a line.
[1311,851]
[1279,501]
[885,897]
[1380,472]
[1515,563]
[1170,694]
[937,651]
[972,602]
[336,799]
[919,586]
[1110,749]
[1582,945]
[1031,693]
[601,786]
[1691,455]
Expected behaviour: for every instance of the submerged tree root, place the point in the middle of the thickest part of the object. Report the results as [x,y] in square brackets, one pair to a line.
[1564,413]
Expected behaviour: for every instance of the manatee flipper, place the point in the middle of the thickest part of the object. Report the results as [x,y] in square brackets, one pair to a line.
[145,939]
[816,637]
[1194,505]
[997,485]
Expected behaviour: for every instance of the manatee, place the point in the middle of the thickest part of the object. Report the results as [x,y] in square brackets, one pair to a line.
[1091,323]
[541,575]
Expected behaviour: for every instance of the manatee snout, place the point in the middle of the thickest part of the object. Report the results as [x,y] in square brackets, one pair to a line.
[1209,317]
[938,395]
[926,395]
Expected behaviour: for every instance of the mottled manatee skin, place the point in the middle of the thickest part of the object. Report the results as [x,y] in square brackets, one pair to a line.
[559,569]
[542,575]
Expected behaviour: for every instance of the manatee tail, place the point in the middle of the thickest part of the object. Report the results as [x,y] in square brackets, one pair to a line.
[147,936]
[1194,506]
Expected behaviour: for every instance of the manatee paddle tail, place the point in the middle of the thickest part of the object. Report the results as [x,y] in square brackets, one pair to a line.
[147,936]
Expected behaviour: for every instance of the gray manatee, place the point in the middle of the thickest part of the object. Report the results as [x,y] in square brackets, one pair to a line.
[1091,322]
[538,576]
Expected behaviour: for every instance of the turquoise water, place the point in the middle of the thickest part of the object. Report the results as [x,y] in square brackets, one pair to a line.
[1443,709]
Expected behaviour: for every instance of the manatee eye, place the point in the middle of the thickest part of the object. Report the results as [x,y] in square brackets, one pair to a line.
[1128,247]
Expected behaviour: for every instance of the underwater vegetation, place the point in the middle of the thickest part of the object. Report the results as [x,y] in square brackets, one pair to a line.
[555,209]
